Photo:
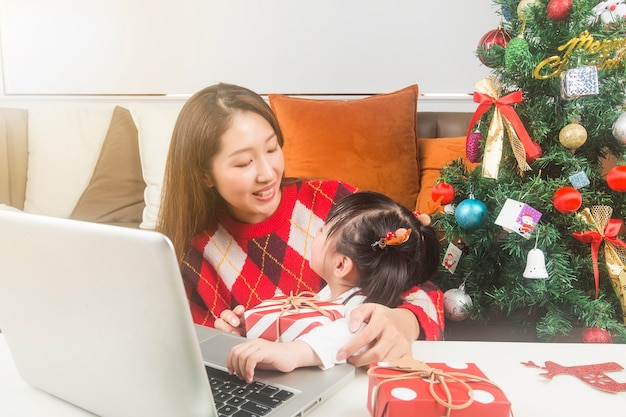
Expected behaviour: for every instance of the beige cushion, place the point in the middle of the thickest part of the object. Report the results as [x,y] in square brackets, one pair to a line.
[13,156]
[115,192]
[64,142]
[155,124]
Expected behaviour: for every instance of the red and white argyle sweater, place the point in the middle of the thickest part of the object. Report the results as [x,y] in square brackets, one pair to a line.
[237,263]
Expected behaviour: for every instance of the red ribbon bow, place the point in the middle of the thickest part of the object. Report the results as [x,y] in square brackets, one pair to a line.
[611,230]
[532,150]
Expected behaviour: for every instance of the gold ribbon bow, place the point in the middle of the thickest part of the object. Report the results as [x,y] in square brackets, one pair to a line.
[614,249]
[305,299]
[415,369]
[487,93]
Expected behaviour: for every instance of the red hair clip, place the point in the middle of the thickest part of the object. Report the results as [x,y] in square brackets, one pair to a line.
[393,238]
[422,217]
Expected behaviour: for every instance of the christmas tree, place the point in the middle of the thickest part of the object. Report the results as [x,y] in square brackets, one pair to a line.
[534,227]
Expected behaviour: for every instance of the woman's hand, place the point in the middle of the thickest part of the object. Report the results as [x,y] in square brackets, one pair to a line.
[231,321]
[390,331]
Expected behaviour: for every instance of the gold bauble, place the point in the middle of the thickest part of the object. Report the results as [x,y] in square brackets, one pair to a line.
[521,12]
[573,136]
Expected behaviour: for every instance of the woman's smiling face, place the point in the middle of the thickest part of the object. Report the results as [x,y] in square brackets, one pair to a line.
[248,169]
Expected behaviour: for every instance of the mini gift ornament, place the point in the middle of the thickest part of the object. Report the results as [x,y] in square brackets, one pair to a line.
[408,387]
[284,318]
[579,82]
[579,179]
[504,118]
[606,230]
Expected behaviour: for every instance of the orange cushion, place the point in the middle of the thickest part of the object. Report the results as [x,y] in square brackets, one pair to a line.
[434,155]
[370,143]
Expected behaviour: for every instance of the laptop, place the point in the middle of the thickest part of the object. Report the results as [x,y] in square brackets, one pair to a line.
[97,315]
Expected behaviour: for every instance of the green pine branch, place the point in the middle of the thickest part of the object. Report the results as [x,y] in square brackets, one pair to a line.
[493,260]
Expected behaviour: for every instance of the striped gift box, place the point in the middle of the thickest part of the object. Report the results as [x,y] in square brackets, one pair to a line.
[284,318]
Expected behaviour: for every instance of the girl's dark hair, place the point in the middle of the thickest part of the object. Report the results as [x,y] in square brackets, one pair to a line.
[362,218]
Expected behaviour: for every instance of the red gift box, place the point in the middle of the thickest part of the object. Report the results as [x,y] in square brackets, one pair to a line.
[290,316]
[408,387]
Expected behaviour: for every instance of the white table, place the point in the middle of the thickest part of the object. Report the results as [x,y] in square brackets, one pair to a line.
[531,394]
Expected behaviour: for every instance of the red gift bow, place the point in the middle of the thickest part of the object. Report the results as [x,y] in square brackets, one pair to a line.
[611,230]
[532,150]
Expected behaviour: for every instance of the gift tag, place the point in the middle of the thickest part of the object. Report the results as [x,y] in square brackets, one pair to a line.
[579,180]
[518,217]
[451,258]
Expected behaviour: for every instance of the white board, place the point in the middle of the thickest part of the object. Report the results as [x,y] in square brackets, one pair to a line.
[271,46]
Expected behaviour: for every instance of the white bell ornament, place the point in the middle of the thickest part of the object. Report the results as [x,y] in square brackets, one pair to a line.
[535,263]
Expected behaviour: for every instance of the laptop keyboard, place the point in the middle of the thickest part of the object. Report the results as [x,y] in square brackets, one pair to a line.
[235,397]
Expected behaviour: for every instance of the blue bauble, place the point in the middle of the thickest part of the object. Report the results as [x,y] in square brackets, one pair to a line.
[506,13]
[471,214]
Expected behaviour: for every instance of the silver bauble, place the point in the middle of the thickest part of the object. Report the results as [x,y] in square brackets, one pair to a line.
[619,128]
[456,303]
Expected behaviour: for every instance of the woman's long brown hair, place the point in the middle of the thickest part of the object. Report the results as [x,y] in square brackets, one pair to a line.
[188,205]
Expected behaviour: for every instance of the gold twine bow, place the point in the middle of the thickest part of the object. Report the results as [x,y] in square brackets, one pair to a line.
[487,93]
[305,299]
[415,369]
[614,249]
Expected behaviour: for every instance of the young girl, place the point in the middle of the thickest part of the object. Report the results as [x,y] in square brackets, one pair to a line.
[371,249]
[243,234]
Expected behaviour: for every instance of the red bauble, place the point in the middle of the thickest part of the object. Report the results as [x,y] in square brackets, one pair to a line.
[559,9]
[596,335]
[616,178]
[567,200]
[443,193]
[493,37]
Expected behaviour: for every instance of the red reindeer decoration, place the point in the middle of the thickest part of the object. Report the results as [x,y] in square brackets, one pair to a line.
[593,375]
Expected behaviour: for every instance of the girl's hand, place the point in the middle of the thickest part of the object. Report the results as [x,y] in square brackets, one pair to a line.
[390,331]
[263,354]
[231,321]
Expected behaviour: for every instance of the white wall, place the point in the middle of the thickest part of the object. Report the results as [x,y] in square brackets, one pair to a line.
[340,47]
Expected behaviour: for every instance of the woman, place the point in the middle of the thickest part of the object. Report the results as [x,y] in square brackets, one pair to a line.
[243,233]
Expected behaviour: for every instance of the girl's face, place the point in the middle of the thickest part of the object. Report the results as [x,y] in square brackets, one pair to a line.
[322,253]
[247,170]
